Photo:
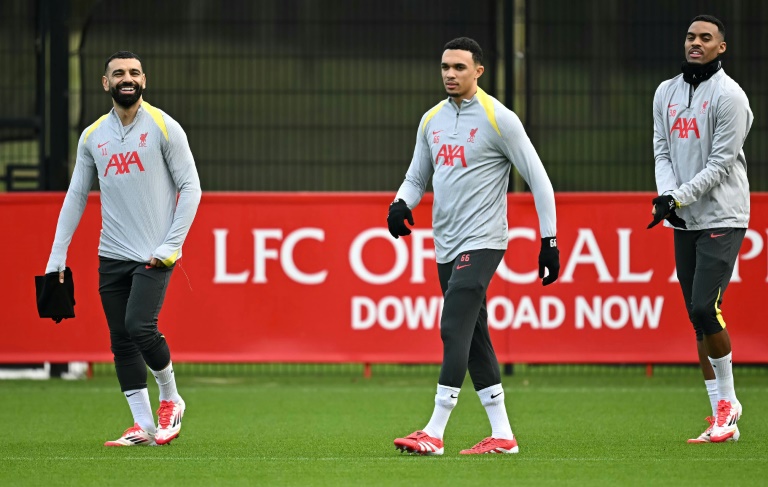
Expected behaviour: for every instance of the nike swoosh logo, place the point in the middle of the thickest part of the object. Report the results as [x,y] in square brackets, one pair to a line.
[671,105]
[715,235]
[434,133]
[497,395]
[129,395]
[463,266]
[454,397]
[147,266]
[102,145]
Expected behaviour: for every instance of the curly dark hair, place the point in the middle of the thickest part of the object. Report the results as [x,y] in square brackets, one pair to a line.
[712,20]
[467,44]
[122,55]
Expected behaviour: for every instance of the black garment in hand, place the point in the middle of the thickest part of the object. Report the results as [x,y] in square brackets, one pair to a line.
[54,299]
[665,209]
[399,211]
[549,258]
[675,220]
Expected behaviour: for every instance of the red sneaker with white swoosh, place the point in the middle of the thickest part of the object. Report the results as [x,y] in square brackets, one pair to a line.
[420,443]
[493,445]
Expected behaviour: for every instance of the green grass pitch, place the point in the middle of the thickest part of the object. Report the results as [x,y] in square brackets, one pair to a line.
[310,427]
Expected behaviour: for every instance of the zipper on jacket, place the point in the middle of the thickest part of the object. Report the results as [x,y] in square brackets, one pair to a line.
[690,95]
[456,126]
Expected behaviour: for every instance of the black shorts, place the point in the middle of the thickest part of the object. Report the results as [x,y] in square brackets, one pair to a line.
[705,261]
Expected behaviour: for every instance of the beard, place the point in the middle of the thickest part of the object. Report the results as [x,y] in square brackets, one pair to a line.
[126,100]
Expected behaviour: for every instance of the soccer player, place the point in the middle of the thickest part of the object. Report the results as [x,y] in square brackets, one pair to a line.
[468,144]
[701,119]
[142,160]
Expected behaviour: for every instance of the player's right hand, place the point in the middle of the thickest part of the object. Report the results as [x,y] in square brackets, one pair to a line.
[662,207]
[398,212]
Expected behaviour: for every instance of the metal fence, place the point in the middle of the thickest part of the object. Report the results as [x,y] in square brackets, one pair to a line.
[326,95]
[20,126]
[594,66]
[288,95]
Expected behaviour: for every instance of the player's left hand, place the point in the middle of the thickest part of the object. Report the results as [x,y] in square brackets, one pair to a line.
[398,212]
[549,258]
[663,207]
[154,262]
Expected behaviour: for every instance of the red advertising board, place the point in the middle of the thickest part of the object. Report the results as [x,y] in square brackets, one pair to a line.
[290,277]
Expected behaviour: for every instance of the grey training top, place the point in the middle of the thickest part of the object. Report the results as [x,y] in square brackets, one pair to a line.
[468,151]
[698,142]
[141,168]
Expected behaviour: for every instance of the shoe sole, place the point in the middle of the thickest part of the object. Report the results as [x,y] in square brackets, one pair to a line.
[696,441]
[411,451]
[167,440]
[731,436]
[503,451]
[115,444]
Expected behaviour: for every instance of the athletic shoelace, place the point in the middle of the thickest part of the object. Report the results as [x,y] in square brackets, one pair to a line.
[164,413]
[133,429]
[723,410]
[483,443]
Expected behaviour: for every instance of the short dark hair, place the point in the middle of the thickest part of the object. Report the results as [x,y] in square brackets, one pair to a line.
[467,44]
[122,55]
[712,20]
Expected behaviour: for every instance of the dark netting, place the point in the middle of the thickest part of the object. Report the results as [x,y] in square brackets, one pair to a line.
[326,95]
[19,128]
[18,78]
[593,70]
[311,95]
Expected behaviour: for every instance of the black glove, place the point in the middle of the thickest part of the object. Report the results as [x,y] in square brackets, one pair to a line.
[665,209]
[399,211]
[54,299]
[549,258]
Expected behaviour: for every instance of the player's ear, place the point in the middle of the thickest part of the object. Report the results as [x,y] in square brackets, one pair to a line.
[105,83]
[480,69]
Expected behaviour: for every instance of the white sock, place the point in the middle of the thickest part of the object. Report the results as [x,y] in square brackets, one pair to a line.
[445,400]
[723,368]
[167,383]
[138,401]
[712,391]
[492,398]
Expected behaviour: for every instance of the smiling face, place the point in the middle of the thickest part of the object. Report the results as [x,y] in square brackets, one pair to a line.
[460,73]
[125,80]
[703,42]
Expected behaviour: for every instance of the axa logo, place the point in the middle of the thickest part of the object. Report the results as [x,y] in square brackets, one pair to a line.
[449,153]
[471,138]
[684,126]
[143,139]
[122,162]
